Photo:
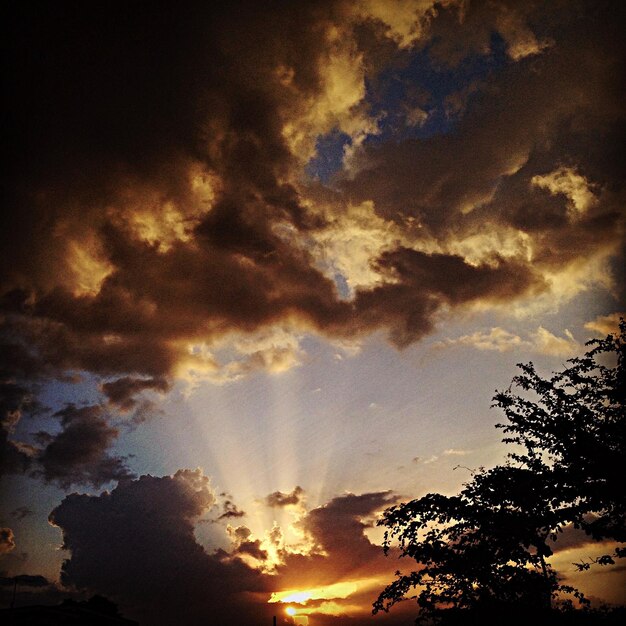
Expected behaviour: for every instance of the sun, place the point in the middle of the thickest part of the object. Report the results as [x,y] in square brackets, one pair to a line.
[290,611]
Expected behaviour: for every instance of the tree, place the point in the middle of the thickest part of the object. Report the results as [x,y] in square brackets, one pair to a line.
[485,551]
[577,427]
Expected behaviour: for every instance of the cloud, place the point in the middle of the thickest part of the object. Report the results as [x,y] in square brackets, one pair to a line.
[545,342]
[158,234]
[22,512]
[279,499]
[423,284]
[122,392]
[209,237]
[497,339]
[16,399]
[244,546]
[78,454]
[455,452]
[136,545]
[7,540]
[520,39]
[605,324]
[573,186]
[231,510]
[274,349]
[338,548]
[570,537]
[479,190]
[163,244]
[14,458]
[541,341]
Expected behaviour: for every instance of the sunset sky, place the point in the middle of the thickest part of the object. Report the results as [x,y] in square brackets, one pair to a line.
[264,267]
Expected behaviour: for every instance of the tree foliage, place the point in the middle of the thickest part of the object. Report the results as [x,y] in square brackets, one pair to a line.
[576,429]
[486,550]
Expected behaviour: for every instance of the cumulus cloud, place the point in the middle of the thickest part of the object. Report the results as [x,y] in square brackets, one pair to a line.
[338,548]
[174,223]
[279,499]
[480,190]
[122,392]
[136,545]
[246,547]
[79,453]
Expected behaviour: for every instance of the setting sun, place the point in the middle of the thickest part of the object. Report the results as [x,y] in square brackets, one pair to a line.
[290,611]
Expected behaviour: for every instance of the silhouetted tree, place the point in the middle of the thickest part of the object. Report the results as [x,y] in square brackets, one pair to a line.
[483,553]
[575,425]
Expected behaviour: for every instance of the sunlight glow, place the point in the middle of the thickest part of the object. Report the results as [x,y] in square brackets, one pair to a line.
[290,611]
[332,608]
[88,266]
[338,590]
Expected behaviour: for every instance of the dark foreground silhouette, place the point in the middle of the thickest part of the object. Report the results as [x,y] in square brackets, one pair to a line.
[523,616]
[97,611]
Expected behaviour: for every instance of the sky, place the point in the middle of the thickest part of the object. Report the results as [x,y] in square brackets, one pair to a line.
[264,266]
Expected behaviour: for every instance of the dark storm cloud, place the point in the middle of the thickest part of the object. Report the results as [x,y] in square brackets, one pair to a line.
[341,550]
[119,128]
[15,399]
[278,498]
[13,457]
[559,106]
[119,102]
[136,545]
[133,94]
[78,454]
[253,549]
[243,544]
[155,193]
[122,392]
[338,526]
[424,282]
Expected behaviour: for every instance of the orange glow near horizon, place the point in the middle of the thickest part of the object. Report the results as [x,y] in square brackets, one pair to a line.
[328,592]
[332,596]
